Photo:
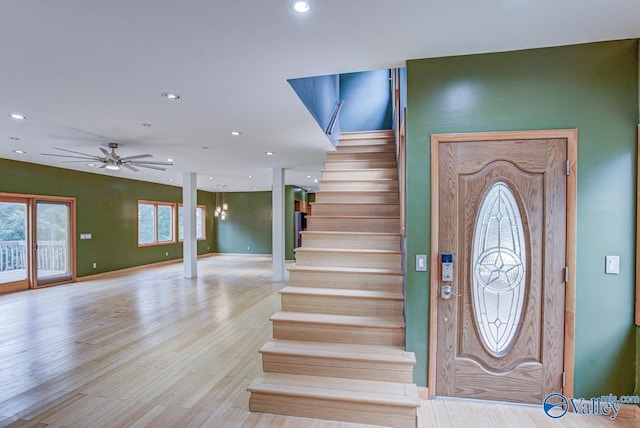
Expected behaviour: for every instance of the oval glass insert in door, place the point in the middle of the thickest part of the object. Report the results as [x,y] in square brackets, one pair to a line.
[498,269]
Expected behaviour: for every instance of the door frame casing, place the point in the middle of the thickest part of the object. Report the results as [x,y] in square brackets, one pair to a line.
[571,135]
[31,234]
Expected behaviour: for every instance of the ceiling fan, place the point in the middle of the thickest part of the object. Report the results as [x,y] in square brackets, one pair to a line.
[112,161]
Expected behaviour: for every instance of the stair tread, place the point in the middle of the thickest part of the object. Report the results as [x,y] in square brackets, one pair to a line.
[343,320]
[358,169]
[330,232]
[343,292]
[345,250]
[347,204]
[378,353]
[375,271]
[357,180]
[368,192]
[347,390]
[377,217]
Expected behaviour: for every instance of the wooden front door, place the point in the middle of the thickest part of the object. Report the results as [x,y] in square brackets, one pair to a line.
[502,213]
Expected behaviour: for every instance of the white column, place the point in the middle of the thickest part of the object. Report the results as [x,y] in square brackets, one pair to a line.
[189,202]
[277,228]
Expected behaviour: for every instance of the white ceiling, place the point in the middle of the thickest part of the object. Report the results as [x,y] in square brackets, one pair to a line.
[89,72]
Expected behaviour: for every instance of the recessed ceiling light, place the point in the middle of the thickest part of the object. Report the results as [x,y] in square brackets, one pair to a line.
[301,6]
[268,153]
[14,138]
[171,95]
[236,133]
[112,167]
[146,125]
[17,116]
[210,178]
[91,164]
[171,179]
[315,181]
[308,176]
[169,159]
[249,176]
[20,152]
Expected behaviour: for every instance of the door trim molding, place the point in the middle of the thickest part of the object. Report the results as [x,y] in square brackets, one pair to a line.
[31,200]
[571,135]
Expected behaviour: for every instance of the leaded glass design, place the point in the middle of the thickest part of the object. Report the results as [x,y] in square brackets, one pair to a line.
[498,266]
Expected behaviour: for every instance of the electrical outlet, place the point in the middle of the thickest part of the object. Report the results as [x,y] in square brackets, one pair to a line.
[166,254]
[248,248]
[95,265]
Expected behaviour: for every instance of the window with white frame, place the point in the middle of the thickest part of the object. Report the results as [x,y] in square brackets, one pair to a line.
[156,223]
[201,214]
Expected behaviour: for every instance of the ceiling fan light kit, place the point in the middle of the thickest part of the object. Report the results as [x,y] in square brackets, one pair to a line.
[112,161]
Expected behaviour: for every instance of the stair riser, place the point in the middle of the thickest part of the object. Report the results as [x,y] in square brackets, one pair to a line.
[316,332]
[353,260]
[391,185]
[317,408]
[355,281]
[356,164]
[364,242]
[362,148]
[356,209]
[357,197]
[369,138]
[362,174]
[337,367]
[384,225]
[340,305]
[341,155]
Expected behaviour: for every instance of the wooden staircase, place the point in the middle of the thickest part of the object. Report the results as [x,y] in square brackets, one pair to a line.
[338,347]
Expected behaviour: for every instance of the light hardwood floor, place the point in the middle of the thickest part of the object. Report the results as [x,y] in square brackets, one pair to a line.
[150,348]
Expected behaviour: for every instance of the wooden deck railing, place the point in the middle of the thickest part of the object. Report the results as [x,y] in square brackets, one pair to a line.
[52,255]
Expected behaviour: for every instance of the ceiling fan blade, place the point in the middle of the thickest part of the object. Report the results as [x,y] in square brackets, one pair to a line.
[153,163]
[136,157]
[80,161]
[126,165]
[88,157]
[72,151]
[150,167]
[106,153]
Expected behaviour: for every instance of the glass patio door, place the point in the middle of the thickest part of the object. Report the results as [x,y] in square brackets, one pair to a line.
[14,236]
[53,256]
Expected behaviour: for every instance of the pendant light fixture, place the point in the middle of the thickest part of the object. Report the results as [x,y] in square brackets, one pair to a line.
[221,202]
[218,208]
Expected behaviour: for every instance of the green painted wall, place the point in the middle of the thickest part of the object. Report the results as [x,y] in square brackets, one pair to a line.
[592,87]
[106,207]
[247,228]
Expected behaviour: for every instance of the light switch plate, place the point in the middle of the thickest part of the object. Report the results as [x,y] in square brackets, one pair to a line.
[612,265]
[421,262]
